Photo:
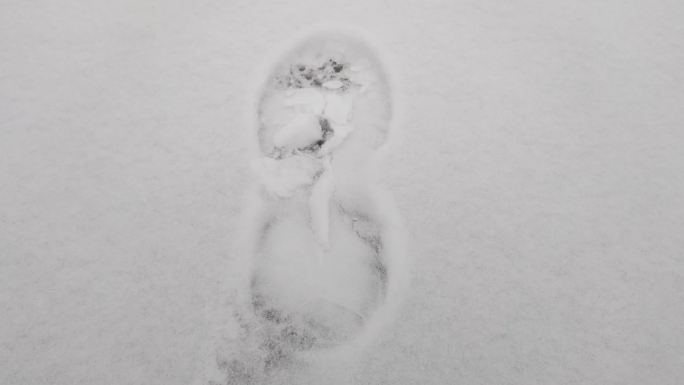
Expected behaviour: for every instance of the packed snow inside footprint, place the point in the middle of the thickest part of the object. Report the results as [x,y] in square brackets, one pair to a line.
[319,270]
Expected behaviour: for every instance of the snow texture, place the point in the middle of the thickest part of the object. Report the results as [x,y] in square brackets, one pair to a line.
[326,254]
[536,161]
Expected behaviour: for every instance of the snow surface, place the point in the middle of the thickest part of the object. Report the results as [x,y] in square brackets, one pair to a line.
[540,174]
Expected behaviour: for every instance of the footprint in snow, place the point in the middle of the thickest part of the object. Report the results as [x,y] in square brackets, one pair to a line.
[327,263]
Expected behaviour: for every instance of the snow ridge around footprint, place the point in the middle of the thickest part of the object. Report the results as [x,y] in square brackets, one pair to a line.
[323,242]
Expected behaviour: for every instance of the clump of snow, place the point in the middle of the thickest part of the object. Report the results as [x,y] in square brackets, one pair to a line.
[338,107]
[282,177]
[333,84]
[303,100]
[301,132]
[319,204]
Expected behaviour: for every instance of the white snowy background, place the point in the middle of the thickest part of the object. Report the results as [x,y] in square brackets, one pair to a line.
[541,178]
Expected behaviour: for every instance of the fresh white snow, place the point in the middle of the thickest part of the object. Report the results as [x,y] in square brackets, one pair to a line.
[537,167]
